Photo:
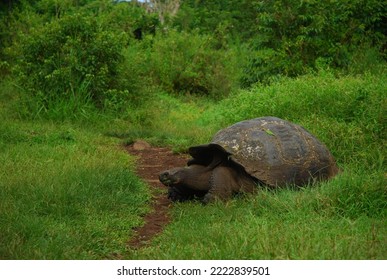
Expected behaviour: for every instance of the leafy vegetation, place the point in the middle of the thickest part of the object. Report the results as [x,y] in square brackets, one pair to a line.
[76,73]
[189,63]
[298,35]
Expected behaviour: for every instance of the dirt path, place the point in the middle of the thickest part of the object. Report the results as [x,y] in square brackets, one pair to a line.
[151,161]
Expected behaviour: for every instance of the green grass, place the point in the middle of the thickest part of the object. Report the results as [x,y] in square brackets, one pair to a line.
[342,219]
[67,190]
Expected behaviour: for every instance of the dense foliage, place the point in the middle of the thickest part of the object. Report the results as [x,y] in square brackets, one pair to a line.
[67,56]
[295,36]
[190,63]
[78,50]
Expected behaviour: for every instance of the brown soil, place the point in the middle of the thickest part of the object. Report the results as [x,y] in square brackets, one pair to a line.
[151,161]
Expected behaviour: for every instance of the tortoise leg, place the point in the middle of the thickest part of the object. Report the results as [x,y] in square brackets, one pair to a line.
[177,194]
[182,193]
[223,183]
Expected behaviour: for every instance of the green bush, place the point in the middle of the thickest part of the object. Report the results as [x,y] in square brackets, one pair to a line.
[295,35]
[71,56]
[189,63]
[236,16]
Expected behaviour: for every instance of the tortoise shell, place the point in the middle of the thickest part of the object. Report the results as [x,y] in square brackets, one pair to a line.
[274,151]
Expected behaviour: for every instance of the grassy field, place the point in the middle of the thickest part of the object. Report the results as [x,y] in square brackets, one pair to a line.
[68,190]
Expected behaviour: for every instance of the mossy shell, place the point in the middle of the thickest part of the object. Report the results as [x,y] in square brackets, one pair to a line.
[272,150]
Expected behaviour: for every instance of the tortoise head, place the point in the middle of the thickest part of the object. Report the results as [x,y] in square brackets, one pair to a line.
[173,176]
[204,158]
[194,177]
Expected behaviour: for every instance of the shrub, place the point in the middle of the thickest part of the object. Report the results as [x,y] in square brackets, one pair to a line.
[71,56]
[189,63]
[294,35]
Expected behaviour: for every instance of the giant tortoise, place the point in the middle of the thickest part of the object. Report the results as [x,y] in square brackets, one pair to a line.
[265,151]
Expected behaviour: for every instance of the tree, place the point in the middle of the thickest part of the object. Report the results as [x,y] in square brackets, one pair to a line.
[166,9]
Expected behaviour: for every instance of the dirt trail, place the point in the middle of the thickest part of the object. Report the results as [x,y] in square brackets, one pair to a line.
[150,162]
